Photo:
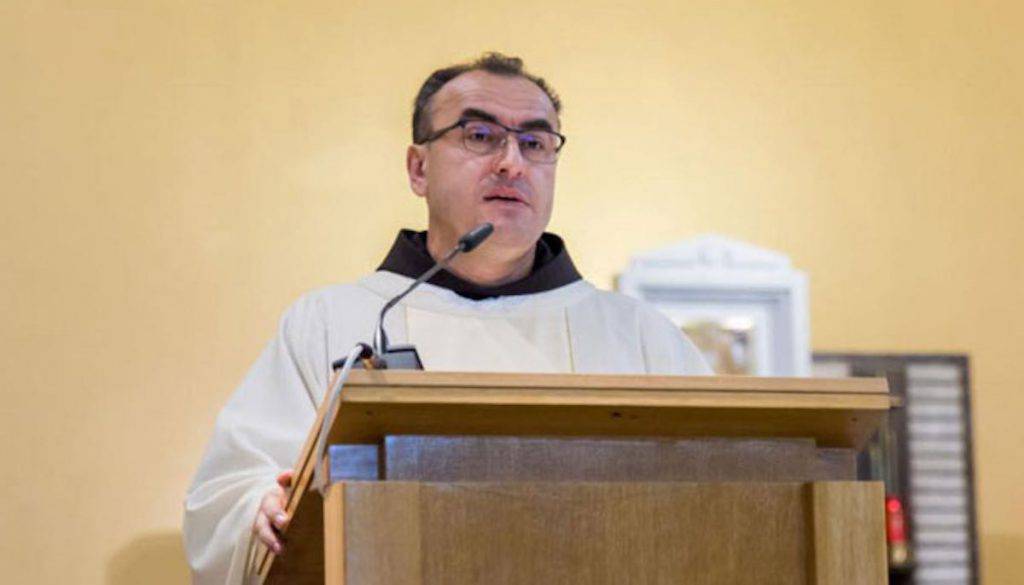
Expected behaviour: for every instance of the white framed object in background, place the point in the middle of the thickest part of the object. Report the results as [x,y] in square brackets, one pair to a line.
[745,307]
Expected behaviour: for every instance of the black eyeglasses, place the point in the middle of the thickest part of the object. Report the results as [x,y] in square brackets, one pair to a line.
[481,137]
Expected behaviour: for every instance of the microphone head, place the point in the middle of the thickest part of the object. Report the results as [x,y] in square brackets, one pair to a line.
[475,237]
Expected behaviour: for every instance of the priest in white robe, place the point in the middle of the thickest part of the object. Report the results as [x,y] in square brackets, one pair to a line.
[485,149]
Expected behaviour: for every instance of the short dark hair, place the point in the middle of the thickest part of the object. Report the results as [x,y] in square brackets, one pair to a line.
[495,63]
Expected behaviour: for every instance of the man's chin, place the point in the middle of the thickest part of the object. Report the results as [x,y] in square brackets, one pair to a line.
[511,234]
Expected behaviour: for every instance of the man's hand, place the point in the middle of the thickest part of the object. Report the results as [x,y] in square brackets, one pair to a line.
[272,518]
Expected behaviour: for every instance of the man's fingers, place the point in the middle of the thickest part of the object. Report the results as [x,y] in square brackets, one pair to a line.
[272,507]
[280,520]
[265,533]
[272,517]
[284,479]
[271,510]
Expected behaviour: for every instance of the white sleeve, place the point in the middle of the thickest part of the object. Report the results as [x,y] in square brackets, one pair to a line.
[257,435]
[667,350]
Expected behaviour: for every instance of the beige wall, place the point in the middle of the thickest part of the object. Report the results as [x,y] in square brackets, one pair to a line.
[173,177]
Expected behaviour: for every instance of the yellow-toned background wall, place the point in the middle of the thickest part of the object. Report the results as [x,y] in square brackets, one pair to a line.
[174,174]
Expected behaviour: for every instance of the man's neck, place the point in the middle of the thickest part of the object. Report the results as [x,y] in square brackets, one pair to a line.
[488,265]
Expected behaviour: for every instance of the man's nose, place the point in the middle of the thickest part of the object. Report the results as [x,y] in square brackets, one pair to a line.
[510,162]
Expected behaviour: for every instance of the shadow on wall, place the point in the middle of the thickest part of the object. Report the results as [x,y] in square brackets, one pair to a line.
[154,559]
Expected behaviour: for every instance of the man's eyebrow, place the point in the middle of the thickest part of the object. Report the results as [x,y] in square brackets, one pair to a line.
[538,124]
[475,114]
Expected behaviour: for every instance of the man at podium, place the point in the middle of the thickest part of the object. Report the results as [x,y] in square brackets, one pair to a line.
[486,141]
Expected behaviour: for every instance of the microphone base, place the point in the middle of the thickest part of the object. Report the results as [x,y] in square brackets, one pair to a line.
[397,357]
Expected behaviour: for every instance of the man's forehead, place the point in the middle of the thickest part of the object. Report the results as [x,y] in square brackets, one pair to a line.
[511,99]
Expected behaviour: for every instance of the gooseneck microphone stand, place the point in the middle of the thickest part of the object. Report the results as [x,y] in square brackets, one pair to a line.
[380,355]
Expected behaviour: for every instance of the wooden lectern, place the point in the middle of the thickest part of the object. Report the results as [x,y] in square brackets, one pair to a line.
[464,478]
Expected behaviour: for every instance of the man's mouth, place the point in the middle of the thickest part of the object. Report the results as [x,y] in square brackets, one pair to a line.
[505,196]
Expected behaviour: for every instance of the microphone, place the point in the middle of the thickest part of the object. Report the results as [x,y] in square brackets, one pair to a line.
[405,357]
[473,238]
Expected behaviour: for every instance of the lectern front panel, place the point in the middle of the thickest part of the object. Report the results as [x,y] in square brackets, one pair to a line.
[412,533]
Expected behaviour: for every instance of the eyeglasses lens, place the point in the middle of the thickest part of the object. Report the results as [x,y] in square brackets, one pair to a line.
[535,145]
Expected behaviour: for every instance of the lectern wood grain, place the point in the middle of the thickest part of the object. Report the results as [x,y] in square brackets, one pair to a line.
[408,533]
[839,542]
[836,413]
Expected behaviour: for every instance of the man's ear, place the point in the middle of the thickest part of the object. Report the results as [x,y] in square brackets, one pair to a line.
[416,166]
